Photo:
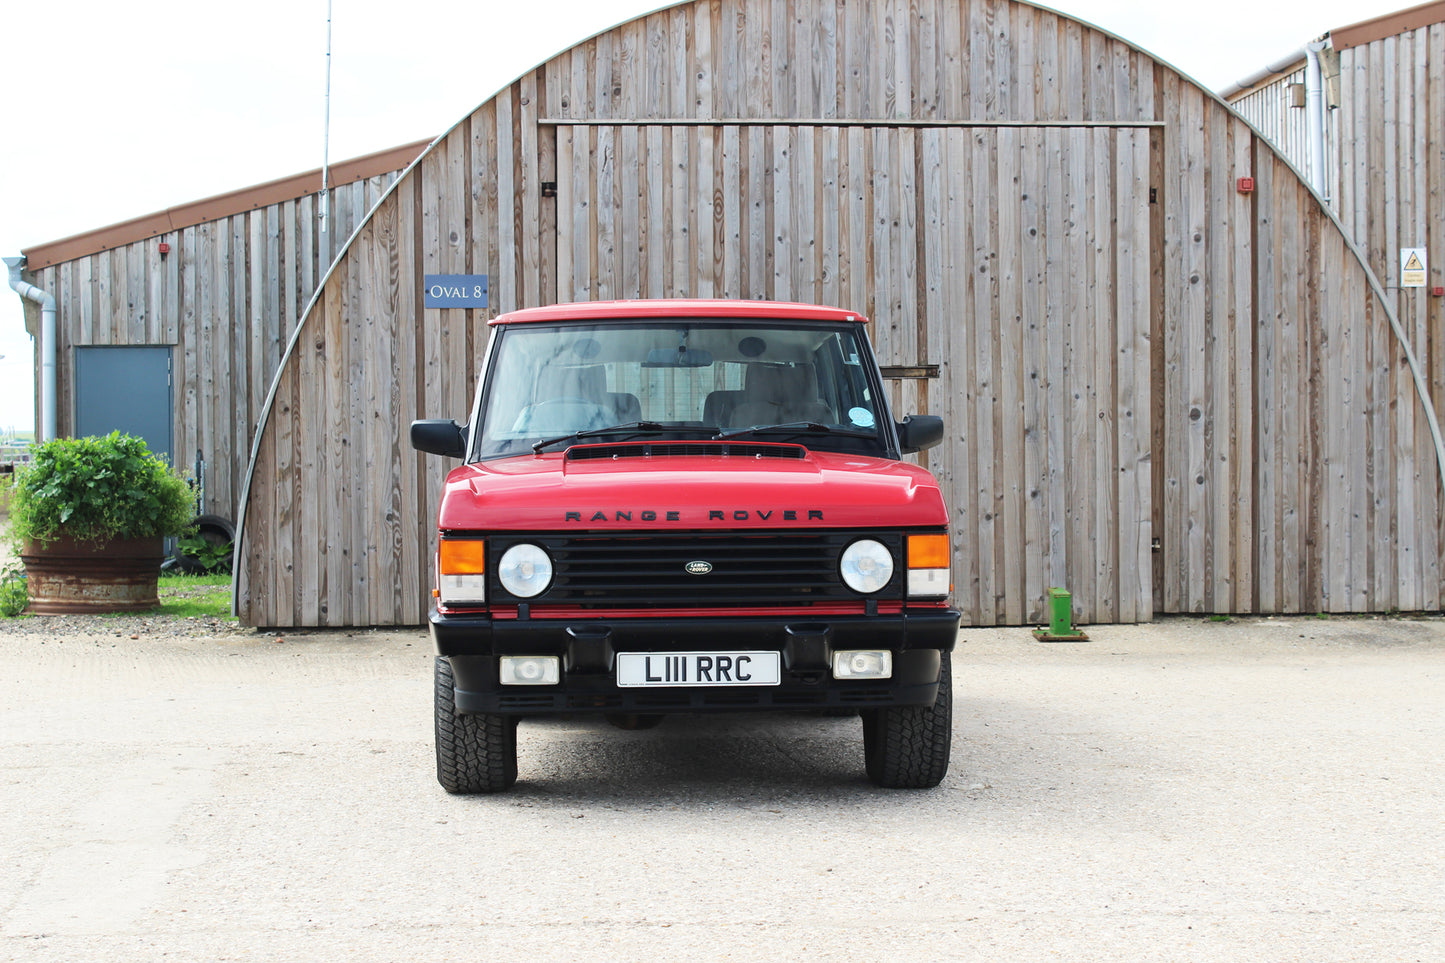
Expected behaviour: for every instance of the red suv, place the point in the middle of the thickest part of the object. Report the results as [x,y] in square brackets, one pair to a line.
[688,506]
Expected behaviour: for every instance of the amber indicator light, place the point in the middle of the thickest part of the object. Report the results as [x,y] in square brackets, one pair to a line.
[463,557]
[928,551]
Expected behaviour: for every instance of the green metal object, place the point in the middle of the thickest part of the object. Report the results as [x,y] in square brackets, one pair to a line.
[1061,619]
[1061,612]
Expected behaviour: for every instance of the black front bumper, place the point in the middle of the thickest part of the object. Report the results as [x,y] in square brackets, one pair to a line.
[587,648]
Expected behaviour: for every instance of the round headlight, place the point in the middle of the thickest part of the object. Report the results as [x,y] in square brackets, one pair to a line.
[525,570]
[866,565]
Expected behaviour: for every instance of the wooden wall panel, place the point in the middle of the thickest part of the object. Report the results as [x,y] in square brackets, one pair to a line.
[1384,167]
[1392,168]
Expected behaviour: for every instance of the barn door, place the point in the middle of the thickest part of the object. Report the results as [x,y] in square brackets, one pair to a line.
[1044,248]
[1015,259]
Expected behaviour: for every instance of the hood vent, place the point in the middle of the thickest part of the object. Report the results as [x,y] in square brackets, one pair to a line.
[723,449]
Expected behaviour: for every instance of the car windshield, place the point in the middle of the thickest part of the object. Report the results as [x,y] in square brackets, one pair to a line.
[680,379]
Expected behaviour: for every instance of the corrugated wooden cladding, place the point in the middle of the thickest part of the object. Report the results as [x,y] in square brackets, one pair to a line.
[1130,351]
[227,298]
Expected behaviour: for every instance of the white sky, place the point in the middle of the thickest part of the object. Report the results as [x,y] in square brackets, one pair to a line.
[115,110]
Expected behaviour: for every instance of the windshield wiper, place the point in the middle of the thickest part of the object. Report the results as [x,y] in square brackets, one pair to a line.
[636,427]
[793,428]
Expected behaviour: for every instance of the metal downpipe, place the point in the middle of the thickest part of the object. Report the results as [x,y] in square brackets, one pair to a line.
[1315,114]
[30,292]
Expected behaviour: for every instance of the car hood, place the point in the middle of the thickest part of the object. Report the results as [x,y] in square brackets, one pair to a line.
[633,488]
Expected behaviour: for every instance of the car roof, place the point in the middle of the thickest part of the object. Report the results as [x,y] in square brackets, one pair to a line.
[678,308]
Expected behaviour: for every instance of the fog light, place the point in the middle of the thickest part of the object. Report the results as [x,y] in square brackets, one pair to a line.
[863,664]
[530,670]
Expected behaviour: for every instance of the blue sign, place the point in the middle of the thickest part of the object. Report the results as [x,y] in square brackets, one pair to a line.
[456,291]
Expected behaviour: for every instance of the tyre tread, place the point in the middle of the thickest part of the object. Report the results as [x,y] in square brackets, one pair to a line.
[907,747]
[476,753]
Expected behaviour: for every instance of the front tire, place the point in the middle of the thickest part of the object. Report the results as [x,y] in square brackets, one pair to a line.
[907,747]
[476,752]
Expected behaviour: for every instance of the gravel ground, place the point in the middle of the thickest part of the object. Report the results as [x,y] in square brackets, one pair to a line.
[1262,790]
[86,628]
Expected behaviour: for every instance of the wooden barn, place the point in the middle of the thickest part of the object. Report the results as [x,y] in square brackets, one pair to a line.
[210,291]
[1172,383]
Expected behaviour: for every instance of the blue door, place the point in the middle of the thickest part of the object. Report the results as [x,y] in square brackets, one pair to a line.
[126,389]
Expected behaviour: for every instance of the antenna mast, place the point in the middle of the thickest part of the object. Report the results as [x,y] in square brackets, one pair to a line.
[324,210]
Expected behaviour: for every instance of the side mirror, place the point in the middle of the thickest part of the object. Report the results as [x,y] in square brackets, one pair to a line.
[439,438]
[918,432]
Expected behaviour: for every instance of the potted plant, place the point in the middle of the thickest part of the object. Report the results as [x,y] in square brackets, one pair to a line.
[91,516]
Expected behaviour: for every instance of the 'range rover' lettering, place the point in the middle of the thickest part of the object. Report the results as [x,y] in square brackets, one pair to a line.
[714,515]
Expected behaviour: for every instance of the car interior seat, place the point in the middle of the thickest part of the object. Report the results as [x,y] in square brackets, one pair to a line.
[778,394]
[718,407]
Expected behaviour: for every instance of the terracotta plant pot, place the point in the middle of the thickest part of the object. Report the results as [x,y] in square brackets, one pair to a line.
[66,577]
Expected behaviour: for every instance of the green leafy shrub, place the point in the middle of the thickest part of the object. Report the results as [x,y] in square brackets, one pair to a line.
[206,557]
[98,489]
[13,597]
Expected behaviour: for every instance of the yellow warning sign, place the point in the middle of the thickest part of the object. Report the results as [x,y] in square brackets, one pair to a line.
[1412,267]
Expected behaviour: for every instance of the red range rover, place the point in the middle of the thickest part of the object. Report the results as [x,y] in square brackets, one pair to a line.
[688,506]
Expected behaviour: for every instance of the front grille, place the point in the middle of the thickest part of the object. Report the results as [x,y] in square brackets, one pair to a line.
[748,569]
[683,449]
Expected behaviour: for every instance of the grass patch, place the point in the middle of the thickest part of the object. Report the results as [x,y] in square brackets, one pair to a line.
[12,592]
[196,596]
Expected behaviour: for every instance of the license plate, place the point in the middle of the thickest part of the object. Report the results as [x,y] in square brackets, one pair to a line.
[640,669]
